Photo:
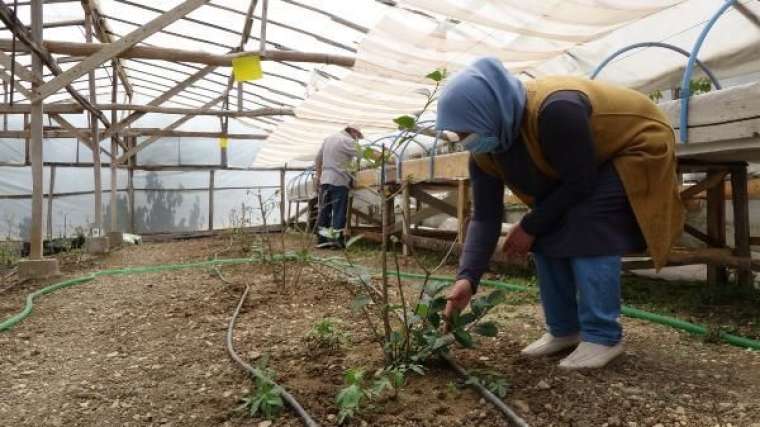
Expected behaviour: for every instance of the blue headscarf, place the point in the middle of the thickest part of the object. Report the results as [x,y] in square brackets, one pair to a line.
[484,98]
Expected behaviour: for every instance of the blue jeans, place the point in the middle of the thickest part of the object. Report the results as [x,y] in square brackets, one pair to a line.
[581,295]
[333,201]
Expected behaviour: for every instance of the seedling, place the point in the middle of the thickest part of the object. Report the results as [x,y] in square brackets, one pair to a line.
[264,399]
[327,334]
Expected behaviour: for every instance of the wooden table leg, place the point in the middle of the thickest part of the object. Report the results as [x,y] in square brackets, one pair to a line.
[740,199]
[716,230]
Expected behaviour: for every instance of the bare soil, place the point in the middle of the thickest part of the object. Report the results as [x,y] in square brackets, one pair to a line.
[148,349]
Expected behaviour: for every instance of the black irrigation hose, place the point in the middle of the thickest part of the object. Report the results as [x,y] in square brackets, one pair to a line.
[508,413]
[307,420]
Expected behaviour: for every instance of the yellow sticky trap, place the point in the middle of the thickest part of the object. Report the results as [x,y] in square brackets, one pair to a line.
[224,142]
[246,68]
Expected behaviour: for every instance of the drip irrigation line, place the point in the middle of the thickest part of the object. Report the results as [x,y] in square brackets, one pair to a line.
[508,413]
[307,420]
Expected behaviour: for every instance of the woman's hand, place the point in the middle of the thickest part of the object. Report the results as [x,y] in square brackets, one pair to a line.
[518,242]
[458,299]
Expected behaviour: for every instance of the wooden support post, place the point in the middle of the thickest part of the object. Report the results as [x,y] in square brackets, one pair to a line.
[35,144]
[131,191]
[240,97]
[283,220]
[716,229]
[744,277]
[114,148]
[27,160]
[463,208]
[211,200]
[405,217]
[51,192]
[94,137]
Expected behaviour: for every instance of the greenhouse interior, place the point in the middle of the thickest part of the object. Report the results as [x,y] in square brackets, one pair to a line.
[380,213]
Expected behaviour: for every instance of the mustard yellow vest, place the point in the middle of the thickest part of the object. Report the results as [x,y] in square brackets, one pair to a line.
[632,132]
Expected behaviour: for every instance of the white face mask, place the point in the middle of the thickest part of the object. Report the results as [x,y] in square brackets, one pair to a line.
[477,144]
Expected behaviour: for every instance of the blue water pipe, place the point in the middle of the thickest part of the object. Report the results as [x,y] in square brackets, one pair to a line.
[688,72]
[674,48]
[683,131]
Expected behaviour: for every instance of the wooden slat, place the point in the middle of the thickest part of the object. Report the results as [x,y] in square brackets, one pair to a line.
[433,202]
[711,181]
[111,50]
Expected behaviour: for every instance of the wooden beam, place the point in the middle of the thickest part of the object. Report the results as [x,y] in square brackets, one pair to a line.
[189,111]
[67,133]
[111,50]
[160,99]
[18,29]
[711,181]
[101,29]
[434,202]
[179,55]
[137,148]
[49,108]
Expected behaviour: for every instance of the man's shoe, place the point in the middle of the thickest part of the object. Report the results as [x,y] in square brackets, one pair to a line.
[549,344]
[591,356]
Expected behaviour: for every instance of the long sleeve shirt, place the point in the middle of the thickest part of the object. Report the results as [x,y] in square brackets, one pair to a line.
[582,213]
[334,158]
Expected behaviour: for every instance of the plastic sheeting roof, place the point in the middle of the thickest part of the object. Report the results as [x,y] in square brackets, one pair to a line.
[531,38]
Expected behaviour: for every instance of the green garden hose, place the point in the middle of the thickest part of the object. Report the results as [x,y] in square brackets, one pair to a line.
[27,310]
[628,311]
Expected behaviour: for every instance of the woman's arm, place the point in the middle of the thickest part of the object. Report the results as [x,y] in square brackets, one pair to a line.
[485,226]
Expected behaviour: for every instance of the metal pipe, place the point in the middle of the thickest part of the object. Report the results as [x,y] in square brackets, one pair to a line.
[685,92]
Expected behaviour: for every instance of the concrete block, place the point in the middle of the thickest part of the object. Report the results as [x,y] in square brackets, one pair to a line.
[97,245]
[115,239]
[38,268]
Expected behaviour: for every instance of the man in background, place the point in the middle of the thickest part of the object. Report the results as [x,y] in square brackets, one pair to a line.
[334,181]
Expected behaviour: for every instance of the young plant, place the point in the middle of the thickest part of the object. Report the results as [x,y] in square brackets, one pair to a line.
[490,380]
[264,400]
[350,399]
[327,334]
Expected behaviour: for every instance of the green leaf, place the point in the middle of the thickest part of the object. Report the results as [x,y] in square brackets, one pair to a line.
[438,304]
[421,310]
[436,75]
[467,318]
[353,240]
[354,376]
[496,297]
[380,385]
[348,400]
[463,337]
[360,302]
[436,286]
[435,320]
[487,329]
[479,306]
[405,122]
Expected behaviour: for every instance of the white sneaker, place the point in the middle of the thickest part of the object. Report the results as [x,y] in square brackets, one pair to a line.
[549,344]
[591,356]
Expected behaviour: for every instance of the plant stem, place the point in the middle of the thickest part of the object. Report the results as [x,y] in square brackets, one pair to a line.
[403,305]
[384,251]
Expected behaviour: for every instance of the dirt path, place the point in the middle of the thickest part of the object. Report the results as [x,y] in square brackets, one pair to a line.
[148,350]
